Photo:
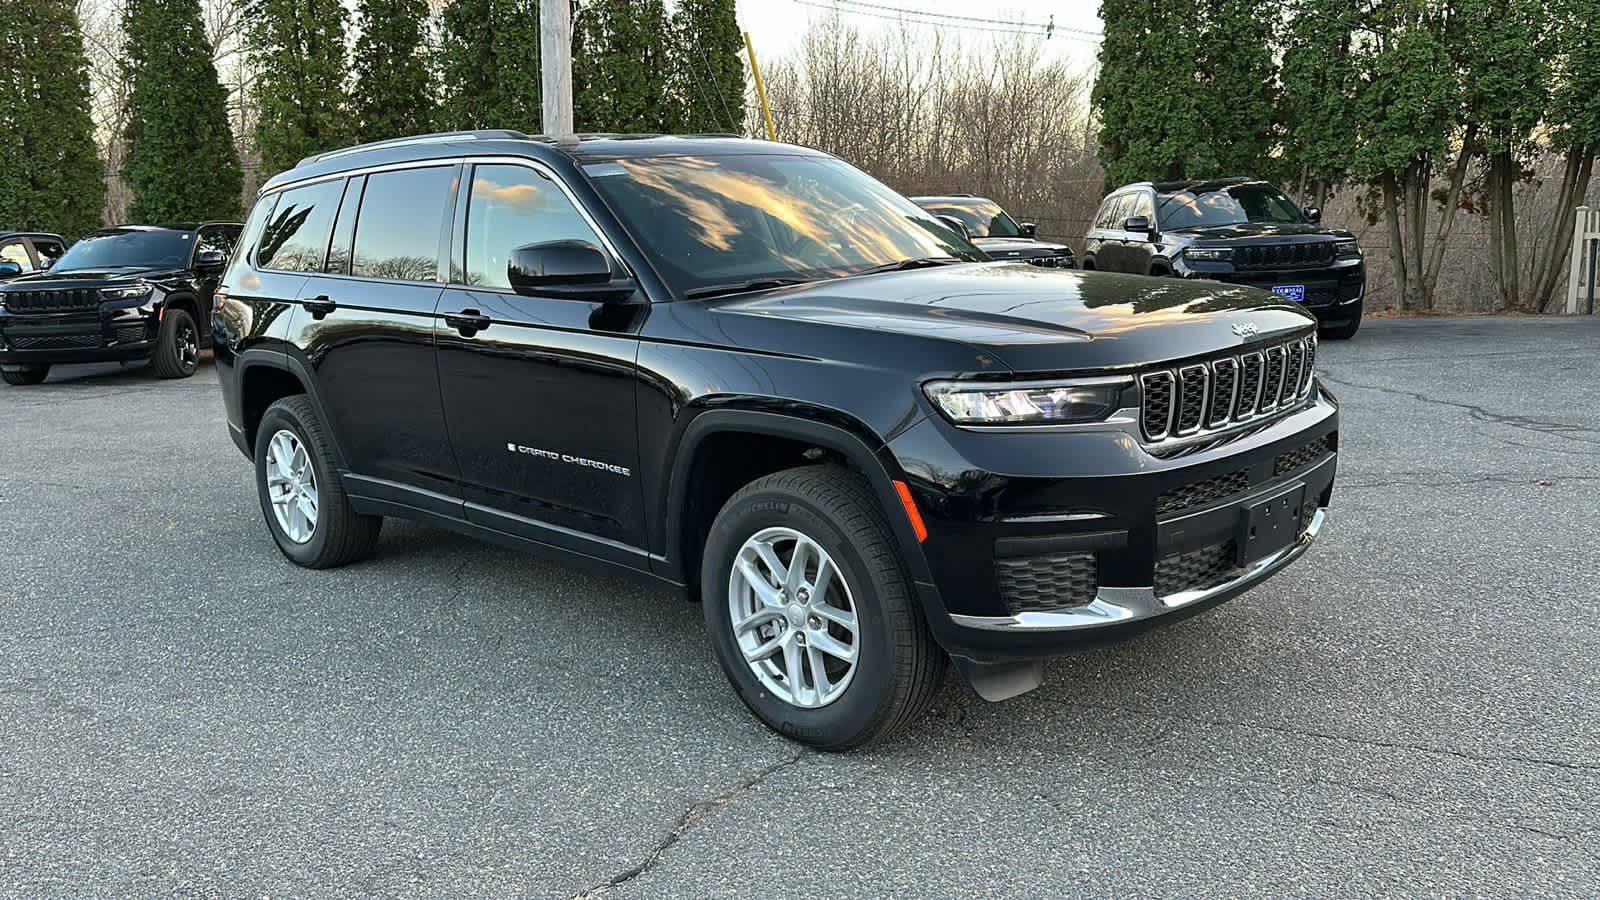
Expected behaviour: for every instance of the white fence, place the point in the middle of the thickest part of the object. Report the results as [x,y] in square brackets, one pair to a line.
[1585,244]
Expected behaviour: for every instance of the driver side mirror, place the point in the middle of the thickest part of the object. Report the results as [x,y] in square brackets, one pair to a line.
[567,270]
[1029,229]
[1138,225]
[210,261]
[1313,215]
[9,269]
[956,225]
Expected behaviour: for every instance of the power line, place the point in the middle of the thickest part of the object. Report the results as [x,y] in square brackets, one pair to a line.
[946,20]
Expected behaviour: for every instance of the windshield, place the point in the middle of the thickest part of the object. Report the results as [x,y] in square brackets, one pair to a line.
[709,221]
[1227,206]
[983,218]
[119,247]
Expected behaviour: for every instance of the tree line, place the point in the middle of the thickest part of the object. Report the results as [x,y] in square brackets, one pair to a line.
[320,78]
[1428,108]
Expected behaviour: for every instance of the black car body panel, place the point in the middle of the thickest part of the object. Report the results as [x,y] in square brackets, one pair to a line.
[1292,256]
[64,315]
[589,427]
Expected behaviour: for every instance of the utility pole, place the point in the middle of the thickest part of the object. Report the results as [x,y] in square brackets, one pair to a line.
[555,58]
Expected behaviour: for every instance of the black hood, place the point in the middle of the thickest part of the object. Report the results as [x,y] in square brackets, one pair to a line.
[1237,230]
[1020,247]
[1035,319]
[52,279]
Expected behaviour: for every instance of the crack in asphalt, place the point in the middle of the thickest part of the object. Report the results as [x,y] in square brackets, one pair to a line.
[1564,430]
[696,812]
[1583,767]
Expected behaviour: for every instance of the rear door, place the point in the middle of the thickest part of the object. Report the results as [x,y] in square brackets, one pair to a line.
[365,327]
[540,397]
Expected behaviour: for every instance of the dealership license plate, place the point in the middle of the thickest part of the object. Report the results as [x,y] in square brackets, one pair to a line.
[1295,292]
[1270,525]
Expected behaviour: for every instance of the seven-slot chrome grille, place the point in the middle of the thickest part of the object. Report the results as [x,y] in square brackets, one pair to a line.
[1218,393]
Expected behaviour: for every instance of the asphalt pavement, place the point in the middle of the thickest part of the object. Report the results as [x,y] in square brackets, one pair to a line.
[1410,709]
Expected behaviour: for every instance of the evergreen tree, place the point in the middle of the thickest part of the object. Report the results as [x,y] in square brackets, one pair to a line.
[181,162]
[622,70]
[393,96]
[708,66]
[299,50]
[1315,109]
[1234,82]
[1151,120]
[489,65]
[50,174]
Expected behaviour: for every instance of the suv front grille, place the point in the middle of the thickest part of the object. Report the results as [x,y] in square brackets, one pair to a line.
[1283,256]
[56,341]
[1042,583]
[1225,391]
[1064,261]
[52,301]
[1195,570]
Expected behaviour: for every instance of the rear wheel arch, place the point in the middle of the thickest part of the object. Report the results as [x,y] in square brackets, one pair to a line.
[721,451]
[266,376]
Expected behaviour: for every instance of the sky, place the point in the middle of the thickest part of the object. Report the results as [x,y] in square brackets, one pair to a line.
[777,26]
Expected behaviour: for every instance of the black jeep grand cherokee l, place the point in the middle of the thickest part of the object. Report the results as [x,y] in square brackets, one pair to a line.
[1235,230]
[751,372]
[134,292]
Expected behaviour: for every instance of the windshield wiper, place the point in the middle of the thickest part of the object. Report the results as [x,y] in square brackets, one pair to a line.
[920,262]
[740,287]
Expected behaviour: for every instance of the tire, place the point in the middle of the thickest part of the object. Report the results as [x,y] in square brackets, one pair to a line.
[897,667]
[337,535]
[24,377]
[1342,332]
[177,352]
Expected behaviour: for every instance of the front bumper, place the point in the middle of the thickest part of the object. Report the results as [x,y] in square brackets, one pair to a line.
[1332,294]
[1044,543]
[80,337]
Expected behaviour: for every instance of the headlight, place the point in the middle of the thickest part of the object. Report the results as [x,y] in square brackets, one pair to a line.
[131,292]
[1209,254]
[1028,403]
[1347,249]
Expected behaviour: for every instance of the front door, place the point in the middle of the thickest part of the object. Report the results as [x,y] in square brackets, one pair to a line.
[538,391]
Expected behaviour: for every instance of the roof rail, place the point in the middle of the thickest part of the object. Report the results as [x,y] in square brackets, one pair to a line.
[441,137]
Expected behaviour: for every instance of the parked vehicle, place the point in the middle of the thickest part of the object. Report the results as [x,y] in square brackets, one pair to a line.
[126,293]
[752,373]
[26,252]
[993,229]
[1235,230]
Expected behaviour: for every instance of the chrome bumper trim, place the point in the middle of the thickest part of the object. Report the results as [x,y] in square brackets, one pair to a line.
[1115,605]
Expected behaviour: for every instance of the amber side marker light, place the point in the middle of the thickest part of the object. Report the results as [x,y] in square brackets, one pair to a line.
[911,511]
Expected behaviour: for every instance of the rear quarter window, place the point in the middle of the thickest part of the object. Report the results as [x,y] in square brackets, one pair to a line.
[296,236]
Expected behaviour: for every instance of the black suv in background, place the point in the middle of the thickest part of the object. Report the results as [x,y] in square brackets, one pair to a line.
[984,223]
[1235,230]
[126,293]
[26,252]
[752,373]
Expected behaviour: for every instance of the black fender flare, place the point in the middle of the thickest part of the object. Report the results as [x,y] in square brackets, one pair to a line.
[873,459]
[263,357]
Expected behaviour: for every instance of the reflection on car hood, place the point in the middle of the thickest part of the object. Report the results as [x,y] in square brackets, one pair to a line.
[1020,248]
[1262,229]
[48,280]
[1035,319]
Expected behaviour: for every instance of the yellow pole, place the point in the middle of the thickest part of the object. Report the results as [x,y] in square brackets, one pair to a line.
[761,88]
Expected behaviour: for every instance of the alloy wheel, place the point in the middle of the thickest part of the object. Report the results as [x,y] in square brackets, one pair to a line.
[291,486]
[794,617]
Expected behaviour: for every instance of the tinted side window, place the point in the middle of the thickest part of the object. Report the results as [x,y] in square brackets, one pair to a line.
[512,206]
[48,250]
[221,239]
[344,230]
[401,220]
[1143,207]
[297,237]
